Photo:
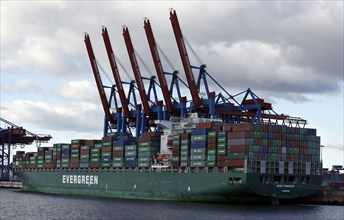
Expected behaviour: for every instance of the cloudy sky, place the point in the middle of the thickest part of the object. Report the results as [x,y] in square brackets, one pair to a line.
[289,53]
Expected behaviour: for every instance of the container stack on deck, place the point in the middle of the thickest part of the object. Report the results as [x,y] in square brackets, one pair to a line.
[106,154]
[148,147]
[259,148]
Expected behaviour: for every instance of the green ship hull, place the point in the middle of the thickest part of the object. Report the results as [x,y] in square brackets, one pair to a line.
[196,186]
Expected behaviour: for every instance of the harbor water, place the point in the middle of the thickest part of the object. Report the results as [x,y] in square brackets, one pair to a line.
[15,204]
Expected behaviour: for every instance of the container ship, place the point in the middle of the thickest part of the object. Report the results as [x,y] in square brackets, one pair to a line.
[215,147]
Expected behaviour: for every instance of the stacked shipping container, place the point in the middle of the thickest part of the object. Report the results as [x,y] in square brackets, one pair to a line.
[263,148]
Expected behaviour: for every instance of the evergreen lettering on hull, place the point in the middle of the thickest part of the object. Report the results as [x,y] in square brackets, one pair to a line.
[80,179]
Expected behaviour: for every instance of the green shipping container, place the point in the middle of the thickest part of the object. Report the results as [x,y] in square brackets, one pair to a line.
[211,152]
[94,159]
[221,151]
[143,164]
[118,159]
[117,164]
[212,134]
[211,164]
[197,163]
[107,144]
[131,153]
[106,154]
[198,151]
[198,157]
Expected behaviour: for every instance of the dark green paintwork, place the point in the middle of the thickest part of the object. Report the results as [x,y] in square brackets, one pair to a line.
[206,187]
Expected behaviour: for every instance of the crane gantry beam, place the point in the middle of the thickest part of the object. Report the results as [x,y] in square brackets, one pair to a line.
[115,73]
[136,71]
[158,66]
[99,83]
[185,59]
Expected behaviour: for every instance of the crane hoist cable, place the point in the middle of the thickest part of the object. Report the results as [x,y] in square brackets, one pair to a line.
[200,62]
[104,72]
[143,63]
[123,68]
[165,57]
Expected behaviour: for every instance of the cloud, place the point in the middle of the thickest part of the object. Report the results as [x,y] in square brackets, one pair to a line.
[286,48]
[75,116]
[335,146]
[78,90]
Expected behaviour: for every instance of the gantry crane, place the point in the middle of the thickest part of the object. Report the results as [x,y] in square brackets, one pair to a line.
[12,134]
[118,81]
[249,108]
[178,108]
[136,70]
[106,107]
[185,59]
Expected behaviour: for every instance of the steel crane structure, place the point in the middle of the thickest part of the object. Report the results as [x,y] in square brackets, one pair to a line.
[12,135]
[179,107]
[245,106]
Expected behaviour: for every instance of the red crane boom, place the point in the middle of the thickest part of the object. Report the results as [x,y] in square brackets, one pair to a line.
[99,83]
[185,59]
[115,72]
[158,66]
[136,70]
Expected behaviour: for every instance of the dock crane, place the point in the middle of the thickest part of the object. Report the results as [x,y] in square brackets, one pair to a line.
[136,71]
[117,77]
[93,61]
[185,59]
[12,134]
[158,66]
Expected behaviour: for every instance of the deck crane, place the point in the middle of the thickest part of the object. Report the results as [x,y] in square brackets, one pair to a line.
[99,83]
[185,59]
[12,134]
[158,66]
[136,71]
[115,72]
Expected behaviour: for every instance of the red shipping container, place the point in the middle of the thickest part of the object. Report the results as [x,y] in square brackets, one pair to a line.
[221,157]
[236,163]
[212,140]
[175,164]
[106,149]
[176,148]
[238,149]
[211,146]
[90,142]
[227,128]
[239,134]
[217,128]
[175,153]
[118,154]
[185,136]
[84,152]
[94,165]
[75,146]
[221,163]
[110,138]
[205,125]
